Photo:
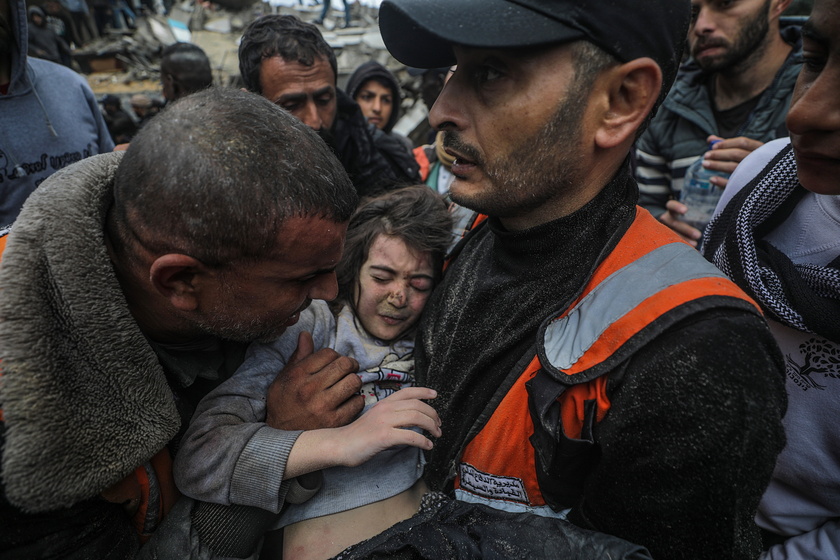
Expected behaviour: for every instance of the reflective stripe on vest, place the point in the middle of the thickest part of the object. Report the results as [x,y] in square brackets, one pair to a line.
[610,303]
[649,273]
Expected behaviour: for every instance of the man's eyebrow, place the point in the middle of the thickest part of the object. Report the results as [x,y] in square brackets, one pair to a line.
[810,32]
[323,90]
[294,96]
[301,96]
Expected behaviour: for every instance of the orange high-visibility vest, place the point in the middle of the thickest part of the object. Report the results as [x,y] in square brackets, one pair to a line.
[646,278]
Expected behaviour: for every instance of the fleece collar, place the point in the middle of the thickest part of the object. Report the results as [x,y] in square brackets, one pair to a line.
[84,398]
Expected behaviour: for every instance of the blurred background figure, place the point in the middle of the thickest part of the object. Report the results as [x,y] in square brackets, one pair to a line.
[49,117]
[142,106]
[43,42]
[184,69]
[79,12]
[326,10]
[120,124]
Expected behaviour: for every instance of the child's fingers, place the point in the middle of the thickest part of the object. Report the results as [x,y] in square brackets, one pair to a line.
[304,348]
[414,439]
[412,393]
[420,416]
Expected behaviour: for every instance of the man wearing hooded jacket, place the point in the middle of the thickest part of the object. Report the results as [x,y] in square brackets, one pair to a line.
[48,115]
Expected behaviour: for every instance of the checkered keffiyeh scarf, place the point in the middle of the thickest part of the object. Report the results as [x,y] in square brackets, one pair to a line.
[802,296]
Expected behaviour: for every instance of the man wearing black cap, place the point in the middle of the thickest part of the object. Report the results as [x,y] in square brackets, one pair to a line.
[590,365]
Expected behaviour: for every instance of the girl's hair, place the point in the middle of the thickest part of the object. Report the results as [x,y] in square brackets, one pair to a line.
[416,214]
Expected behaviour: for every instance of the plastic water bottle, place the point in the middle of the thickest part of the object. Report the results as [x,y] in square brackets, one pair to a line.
[699,194]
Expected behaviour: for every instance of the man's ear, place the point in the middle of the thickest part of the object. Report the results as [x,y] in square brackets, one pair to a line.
[175,277]
[632,89]
[778,7]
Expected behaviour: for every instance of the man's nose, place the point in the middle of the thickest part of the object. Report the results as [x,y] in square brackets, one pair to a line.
[311,117]
[445,113]
[704,23]
[325,287]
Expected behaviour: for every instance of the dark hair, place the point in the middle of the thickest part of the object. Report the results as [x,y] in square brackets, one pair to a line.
[285,36]
[590,60]
[416,214]
[189,67]
[215,175]
[374,71]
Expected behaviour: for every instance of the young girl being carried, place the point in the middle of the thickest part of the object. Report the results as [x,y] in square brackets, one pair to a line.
[372,467]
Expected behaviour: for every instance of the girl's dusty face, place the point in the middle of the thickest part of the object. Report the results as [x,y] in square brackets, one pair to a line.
[394,284]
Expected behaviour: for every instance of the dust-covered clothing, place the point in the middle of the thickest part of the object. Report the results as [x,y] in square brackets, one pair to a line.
[658,473]
[230,455]
[116,400]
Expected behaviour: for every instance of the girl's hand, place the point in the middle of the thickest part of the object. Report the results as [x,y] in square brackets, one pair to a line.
[384,426]
[380,428]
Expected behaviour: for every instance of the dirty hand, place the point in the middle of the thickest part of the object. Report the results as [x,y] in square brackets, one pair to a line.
[674,209]
[315,390]
[378,429]
[382,427]
[726,154]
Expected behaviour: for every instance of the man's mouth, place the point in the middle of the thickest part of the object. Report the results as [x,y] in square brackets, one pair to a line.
[815,157]
[296,315]
[703,48]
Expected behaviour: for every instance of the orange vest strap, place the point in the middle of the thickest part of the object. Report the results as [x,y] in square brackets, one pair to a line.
[649,274]
[147,494]
[423,161]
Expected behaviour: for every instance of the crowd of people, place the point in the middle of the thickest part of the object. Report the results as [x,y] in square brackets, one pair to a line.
[261,323]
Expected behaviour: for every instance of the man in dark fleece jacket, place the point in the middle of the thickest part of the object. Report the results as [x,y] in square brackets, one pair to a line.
[288,62]
[590,364]
[131,284]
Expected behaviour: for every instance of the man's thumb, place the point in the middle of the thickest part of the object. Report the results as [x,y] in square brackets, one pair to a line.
[304,348]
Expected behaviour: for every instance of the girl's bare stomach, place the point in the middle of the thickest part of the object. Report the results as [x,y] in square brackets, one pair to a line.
[324,537]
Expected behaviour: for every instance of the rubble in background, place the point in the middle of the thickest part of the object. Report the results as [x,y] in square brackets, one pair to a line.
[127,63]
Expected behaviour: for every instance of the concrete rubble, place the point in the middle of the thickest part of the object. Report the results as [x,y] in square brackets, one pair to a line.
[124,63]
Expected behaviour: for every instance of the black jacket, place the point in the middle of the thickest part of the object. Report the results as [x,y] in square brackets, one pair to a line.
[366,153]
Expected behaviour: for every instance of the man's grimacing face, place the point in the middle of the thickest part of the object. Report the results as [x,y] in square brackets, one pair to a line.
[513,124]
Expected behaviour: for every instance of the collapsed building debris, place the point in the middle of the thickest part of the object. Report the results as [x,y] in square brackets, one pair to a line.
[127,62]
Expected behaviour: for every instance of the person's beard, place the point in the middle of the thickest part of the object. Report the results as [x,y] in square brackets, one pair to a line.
[749,45]
[227,320]
[538,169]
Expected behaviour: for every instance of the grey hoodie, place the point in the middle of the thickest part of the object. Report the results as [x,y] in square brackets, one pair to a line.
[49,119]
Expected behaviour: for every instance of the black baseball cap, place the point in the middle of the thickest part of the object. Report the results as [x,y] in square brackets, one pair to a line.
[420,33]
